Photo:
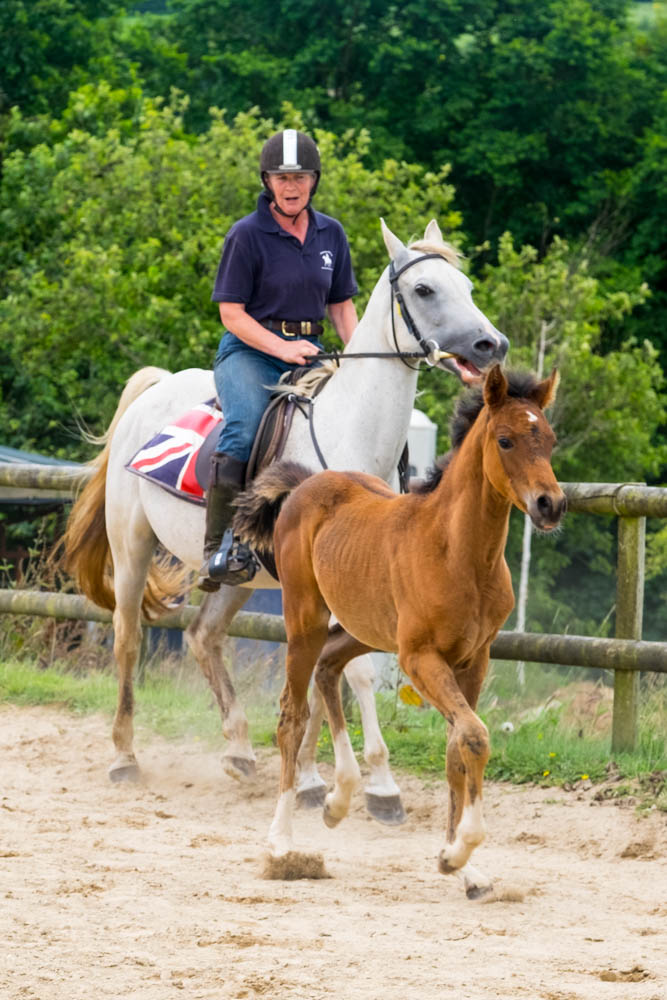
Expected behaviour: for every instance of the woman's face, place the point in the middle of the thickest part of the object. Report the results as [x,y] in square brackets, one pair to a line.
[291,191]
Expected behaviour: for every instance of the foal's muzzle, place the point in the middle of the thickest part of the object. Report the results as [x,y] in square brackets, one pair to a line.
[547,510]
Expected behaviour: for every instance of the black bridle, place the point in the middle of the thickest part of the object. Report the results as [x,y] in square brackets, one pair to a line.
[427,346]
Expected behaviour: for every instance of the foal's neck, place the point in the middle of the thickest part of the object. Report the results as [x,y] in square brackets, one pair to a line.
[477,515]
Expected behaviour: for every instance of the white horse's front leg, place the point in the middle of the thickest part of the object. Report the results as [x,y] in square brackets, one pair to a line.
[311,787]
[383,796]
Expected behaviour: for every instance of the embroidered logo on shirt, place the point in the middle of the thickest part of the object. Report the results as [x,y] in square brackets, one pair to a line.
[327,260]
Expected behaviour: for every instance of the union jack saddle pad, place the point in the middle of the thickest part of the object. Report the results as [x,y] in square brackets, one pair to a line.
[177,458]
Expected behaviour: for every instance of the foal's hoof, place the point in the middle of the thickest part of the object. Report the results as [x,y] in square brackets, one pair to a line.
[124,770]
[311,798]
[387,809]
[474,891]
[239,768]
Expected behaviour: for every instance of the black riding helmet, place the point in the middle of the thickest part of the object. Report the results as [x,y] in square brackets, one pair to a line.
[291,152]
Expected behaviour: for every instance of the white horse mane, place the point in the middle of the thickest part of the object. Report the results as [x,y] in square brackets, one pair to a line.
[446,251]
[307,384]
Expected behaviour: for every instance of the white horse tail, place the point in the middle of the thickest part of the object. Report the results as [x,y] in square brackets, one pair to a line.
[260,505]
[87,555]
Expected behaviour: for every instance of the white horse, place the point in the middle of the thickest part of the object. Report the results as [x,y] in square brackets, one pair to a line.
[422,302]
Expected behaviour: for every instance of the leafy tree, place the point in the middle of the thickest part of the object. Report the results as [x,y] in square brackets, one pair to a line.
[115,269]
[46,47]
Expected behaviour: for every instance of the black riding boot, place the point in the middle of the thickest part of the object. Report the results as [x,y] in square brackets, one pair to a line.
[226,560]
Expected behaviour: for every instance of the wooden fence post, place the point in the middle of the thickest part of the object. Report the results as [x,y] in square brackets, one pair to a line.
[629,611]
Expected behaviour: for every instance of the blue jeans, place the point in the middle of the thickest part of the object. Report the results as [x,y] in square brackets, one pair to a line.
[242,375]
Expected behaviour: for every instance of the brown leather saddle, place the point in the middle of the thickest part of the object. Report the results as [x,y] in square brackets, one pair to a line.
[269,443]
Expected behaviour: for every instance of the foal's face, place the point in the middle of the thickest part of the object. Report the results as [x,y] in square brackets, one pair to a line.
[517,456]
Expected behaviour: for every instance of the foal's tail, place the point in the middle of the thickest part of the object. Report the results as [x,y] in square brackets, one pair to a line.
[260,505]
[87,555]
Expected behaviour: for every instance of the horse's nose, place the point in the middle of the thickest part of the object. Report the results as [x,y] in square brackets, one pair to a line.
[491,348]
[503,346]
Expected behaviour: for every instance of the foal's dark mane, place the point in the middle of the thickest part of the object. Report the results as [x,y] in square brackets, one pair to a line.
[520,385]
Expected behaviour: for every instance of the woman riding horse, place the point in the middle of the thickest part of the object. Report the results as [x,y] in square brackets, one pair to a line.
[281,268]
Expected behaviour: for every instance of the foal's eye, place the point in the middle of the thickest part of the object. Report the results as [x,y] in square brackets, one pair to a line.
[423,290]
[505,443]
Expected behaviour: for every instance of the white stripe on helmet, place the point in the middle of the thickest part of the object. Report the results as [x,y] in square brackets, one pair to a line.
[289,150]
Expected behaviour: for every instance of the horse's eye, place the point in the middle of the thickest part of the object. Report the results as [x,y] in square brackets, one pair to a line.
[423,290]
[505,443]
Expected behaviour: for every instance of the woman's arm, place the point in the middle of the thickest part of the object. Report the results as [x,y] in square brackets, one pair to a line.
[343,315]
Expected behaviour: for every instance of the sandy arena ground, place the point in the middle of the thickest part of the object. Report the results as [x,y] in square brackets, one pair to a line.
[155,891]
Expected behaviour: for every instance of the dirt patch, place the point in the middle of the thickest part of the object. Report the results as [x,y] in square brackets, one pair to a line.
[155,889]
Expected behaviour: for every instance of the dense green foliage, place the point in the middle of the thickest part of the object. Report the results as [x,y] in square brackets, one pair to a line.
[534,132]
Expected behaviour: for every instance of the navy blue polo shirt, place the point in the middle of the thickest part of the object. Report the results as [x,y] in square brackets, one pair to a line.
[275,276]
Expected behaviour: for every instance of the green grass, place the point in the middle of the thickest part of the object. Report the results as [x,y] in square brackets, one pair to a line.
[176,706]
[544,746]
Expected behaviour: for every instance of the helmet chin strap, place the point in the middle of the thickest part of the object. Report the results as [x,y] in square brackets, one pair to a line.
[286,215]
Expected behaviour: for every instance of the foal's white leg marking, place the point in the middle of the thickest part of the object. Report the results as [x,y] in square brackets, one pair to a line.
[309,778]
[360,674]
[280,831]
[348,776]
[469,834]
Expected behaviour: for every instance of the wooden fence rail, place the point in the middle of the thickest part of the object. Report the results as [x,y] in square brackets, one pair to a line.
[626,654]
[575,650]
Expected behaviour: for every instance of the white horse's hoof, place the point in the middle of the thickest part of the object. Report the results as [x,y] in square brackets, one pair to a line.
[240,768]
[311,798]
[387,809]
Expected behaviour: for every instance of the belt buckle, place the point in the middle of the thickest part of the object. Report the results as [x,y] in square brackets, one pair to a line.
[285,332]
[305,323]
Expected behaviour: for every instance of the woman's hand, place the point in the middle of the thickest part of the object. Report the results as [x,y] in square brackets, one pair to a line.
[297,352]
[237,321]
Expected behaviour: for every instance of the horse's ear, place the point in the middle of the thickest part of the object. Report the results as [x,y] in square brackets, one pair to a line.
[545,392]
[432,233]
[495,387]
[392,243]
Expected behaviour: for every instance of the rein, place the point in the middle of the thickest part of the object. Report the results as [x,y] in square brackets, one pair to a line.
[429,349]
[430,353]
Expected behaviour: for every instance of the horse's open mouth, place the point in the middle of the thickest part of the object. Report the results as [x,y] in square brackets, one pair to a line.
[466,370]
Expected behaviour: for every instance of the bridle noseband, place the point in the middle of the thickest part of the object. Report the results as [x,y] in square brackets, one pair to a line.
[429,347]
[430,351]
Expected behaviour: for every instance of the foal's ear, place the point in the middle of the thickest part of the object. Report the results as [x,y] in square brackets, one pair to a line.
[545,392]
[495,387]
[392,243]
[432,233]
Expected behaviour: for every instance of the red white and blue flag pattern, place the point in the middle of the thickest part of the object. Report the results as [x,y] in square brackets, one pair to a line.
[169,458]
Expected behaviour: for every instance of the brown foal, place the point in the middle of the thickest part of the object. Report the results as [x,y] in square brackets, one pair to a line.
[423,575]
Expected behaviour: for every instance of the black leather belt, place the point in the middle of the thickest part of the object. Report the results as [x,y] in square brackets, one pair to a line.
[304,328]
